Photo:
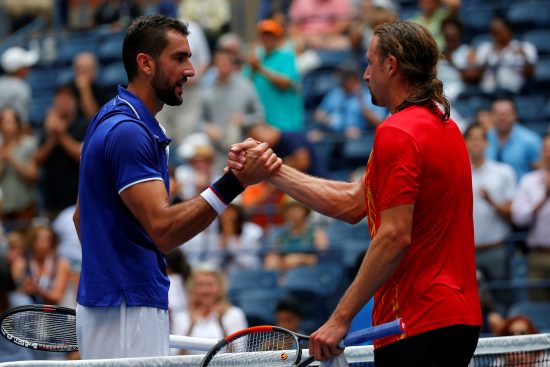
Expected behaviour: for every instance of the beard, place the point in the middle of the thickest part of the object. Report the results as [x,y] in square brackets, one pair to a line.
[373,98]
[165,91]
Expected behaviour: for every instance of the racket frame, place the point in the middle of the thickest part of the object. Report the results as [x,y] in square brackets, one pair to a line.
[35,345]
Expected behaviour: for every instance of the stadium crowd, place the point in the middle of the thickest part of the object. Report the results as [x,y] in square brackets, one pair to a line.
[297,85]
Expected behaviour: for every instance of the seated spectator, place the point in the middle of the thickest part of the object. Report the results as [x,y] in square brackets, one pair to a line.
[510,142]
[89,94]
[288,314]
[273,71]
[452,68]
[517,325]
[296,242]
[432,13]
[504,64]
[59,153]
[229,104]
[15,92]
[47,274]
[320,23]
[531,209]
[348,108]
[210,314]
[239,240]
[493,185]
[18,172]
[9,352]
[117,13]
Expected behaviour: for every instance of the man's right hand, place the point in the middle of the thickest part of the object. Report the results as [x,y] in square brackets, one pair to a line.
[254,162]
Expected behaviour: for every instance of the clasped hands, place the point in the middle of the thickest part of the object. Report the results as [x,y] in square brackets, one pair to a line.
[252,161]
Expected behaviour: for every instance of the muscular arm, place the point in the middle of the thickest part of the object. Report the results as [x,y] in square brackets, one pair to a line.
[168,225]
[384,255]
[341,200]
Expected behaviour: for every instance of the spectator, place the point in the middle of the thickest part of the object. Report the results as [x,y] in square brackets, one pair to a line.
[47,274]
[182,120]
[518,325]
[296,242]
[15,92]
[274,74]
[348,108]
[69,249]
[531,207]
[320,23]
[452,68]
[18,172]
[432,13]
[213,16]
[178,270]
[232,44]
[484,117]
[504,64]
[288,314]
[493,186]
[293,147]
[59,152]
[239,240]
[210,314]
[89,94]
[229,104]
[511,143]
[9,351]
[117,13]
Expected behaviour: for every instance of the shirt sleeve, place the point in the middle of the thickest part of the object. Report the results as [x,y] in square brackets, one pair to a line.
[524,204]
[132,155]
[398,165]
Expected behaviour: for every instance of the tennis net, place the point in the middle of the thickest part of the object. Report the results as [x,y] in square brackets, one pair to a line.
[513,351]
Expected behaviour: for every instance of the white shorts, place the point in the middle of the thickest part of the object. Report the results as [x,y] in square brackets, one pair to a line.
[122,332]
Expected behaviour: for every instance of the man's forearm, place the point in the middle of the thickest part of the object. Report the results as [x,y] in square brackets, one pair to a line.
[341,200]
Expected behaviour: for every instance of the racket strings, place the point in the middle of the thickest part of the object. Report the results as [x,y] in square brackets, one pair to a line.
[263,349]
[47,329]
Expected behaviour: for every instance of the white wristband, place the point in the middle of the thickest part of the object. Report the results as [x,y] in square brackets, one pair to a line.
[215,202]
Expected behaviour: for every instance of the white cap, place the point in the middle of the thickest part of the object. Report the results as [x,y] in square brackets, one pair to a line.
[16,58]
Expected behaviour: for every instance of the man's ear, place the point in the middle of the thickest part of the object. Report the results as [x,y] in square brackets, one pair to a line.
[391,65]
[145,63]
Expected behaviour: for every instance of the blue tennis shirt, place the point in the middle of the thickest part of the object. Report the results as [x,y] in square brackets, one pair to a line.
[124,145]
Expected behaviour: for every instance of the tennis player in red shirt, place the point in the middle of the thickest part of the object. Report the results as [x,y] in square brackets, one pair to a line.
[417,195]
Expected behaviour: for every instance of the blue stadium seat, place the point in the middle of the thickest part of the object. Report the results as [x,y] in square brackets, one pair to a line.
[540,127]
[110,48]
[259,305]
[332,59]
[112,75]
[476,17]
[526,16]
[531,107]
[351,249]
[480,38]
[358,149]
[42,79]
[315,85]
[38,108]
[240,281]
[542,74]
[75,43]
[65,76]
[338,230]
[320,280]
[536,311]
[540,38]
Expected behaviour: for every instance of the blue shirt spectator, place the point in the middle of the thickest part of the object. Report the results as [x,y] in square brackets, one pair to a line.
[510,142]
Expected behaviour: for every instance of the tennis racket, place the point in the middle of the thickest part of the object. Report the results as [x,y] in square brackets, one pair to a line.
[273,346]
[53,329]
[41,327]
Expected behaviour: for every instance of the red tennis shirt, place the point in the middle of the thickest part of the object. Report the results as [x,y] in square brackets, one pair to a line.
[419,159]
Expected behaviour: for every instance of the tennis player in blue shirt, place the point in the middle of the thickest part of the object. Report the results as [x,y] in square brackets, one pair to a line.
[123,215]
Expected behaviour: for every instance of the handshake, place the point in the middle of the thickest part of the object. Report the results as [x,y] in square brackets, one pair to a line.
[252,161]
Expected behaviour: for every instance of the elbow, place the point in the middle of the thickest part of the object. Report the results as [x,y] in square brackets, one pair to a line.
[354,218]
[399,239]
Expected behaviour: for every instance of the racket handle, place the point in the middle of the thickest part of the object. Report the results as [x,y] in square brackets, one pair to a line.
[372,333]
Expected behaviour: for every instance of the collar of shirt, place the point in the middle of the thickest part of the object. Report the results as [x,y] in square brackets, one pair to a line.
[142,113]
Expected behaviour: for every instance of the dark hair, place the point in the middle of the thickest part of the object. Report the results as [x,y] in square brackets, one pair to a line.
[147,34]
[505,98]
[453,21]
[177,262]
[475,125]
[240,220]
[289,303]
[417,55]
